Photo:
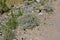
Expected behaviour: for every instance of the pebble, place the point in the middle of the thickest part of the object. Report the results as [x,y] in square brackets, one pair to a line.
[38,0]
[41,13]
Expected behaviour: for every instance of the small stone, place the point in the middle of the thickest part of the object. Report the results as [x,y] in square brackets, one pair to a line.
[37,0]
[1,11]
[22,38]
[40,13]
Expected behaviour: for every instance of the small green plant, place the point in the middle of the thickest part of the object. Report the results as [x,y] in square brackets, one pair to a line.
[29,2]
[17,12]
[12,23]
[8,28]
[6,9]
[29,21]
[8,33]
[4,6]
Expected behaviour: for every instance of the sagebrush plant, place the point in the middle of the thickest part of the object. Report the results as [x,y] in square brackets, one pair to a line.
[29,21]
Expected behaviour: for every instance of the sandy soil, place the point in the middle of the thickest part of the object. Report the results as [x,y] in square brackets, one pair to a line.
[53,27]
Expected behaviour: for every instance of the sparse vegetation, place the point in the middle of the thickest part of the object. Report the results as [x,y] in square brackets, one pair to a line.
[25,18]
[29,21]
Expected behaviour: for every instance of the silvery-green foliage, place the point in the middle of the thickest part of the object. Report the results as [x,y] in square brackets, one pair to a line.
[48,8]
[27,8]
[17,12]
[28,21]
